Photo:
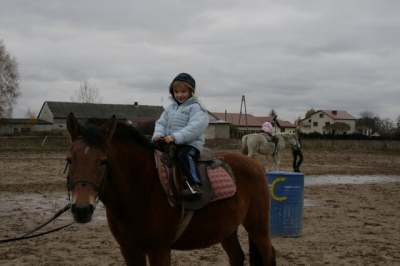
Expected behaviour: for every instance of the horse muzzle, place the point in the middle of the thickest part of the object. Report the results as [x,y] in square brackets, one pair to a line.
[82,213]
[85,196]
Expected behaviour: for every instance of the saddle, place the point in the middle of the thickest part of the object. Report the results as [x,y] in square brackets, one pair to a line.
[218,181]
[269,138]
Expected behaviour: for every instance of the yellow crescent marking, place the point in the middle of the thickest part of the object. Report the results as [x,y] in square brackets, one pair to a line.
[280,179]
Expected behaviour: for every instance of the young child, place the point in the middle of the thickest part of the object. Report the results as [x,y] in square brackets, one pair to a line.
[268,129]
[184,122]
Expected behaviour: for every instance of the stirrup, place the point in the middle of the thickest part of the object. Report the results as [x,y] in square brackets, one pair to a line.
[191,193]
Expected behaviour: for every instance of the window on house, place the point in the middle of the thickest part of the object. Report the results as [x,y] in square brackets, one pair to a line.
[321,115]
[315,124]
[327,123]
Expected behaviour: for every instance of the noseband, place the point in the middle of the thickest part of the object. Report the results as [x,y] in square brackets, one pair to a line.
[98,189]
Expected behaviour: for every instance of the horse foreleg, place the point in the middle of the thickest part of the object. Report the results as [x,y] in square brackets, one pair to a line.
[133,257]
[276,165]
[266,169]
[275,160]
[231,245]
[159,256]
[251,154]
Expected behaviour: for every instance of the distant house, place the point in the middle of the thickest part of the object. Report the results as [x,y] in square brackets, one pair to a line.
[217,129]
[281,125]
[16,126]
[57,112]
[322,118]
[242,121]
[248,122]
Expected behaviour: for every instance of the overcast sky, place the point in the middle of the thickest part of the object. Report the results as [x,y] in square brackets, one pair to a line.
[289,56]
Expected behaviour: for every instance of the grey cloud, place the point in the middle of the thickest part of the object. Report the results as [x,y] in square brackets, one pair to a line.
[290,56]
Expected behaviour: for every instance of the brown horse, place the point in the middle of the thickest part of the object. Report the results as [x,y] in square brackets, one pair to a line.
[115,164]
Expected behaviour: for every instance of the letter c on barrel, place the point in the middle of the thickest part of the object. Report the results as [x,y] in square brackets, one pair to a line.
[280,179]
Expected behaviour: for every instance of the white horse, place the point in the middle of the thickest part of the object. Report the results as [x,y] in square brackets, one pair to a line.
[263,144]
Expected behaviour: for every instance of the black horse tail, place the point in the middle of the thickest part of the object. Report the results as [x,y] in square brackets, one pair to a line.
[245,149]
[255,255]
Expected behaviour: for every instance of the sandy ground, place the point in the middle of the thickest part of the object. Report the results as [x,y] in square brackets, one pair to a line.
[346,223]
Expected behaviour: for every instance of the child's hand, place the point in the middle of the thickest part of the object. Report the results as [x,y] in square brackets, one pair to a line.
[169,139]
[157,138]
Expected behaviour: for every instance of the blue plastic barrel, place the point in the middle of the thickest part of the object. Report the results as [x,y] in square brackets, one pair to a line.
[286,213]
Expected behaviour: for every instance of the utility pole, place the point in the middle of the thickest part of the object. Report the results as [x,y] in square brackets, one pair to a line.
[245,111]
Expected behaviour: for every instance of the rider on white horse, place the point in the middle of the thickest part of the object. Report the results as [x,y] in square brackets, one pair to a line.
[268,129]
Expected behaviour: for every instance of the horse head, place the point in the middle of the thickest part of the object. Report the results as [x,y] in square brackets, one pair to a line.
[292,139]
[87,165]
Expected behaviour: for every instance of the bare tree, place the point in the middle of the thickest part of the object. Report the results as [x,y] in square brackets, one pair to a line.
[31,116]
[370,121]
[386,124]
[9,82]
[398,122]
[297,121]
[87,93]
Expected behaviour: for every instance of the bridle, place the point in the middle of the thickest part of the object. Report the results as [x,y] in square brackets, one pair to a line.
[288,141]
[99,189]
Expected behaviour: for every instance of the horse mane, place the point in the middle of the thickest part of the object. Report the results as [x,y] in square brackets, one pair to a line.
[93,135]
[287,133]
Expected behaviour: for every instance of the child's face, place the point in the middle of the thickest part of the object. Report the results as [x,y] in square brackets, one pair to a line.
[181,93]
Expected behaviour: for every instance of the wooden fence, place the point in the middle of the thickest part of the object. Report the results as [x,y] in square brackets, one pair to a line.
[50,142]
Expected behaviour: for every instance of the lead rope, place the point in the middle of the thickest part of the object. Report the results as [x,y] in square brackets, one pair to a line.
[58,213]
[28,235]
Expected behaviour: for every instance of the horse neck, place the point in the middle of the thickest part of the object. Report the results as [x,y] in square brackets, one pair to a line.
[292,140]
[288,139]
[132,171]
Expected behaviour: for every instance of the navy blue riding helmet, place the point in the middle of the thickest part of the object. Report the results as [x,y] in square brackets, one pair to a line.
[185,78]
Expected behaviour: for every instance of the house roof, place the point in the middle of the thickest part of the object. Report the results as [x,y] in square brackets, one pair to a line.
[251,120]
[281,123]
[264,119]
[100,110]
[286,124]
[233,118]
[334,114]
[337,114]
[23,121]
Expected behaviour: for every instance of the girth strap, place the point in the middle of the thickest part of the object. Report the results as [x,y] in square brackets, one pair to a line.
[183,224]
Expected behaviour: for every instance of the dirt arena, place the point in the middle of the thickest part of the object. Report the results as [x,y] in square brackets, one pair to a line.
[346,223]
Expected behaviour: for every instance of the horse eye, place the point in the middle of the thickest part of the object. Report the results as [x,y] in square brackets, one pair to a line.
[69,160]
[103,162]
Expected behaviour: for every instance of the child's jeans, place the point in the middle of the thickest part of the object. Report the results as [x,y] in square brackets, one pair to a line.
[185,155]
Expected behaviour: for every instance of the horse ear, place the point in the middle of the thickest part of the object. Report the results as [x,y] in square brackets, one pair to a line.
[73,127]
[109,127]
